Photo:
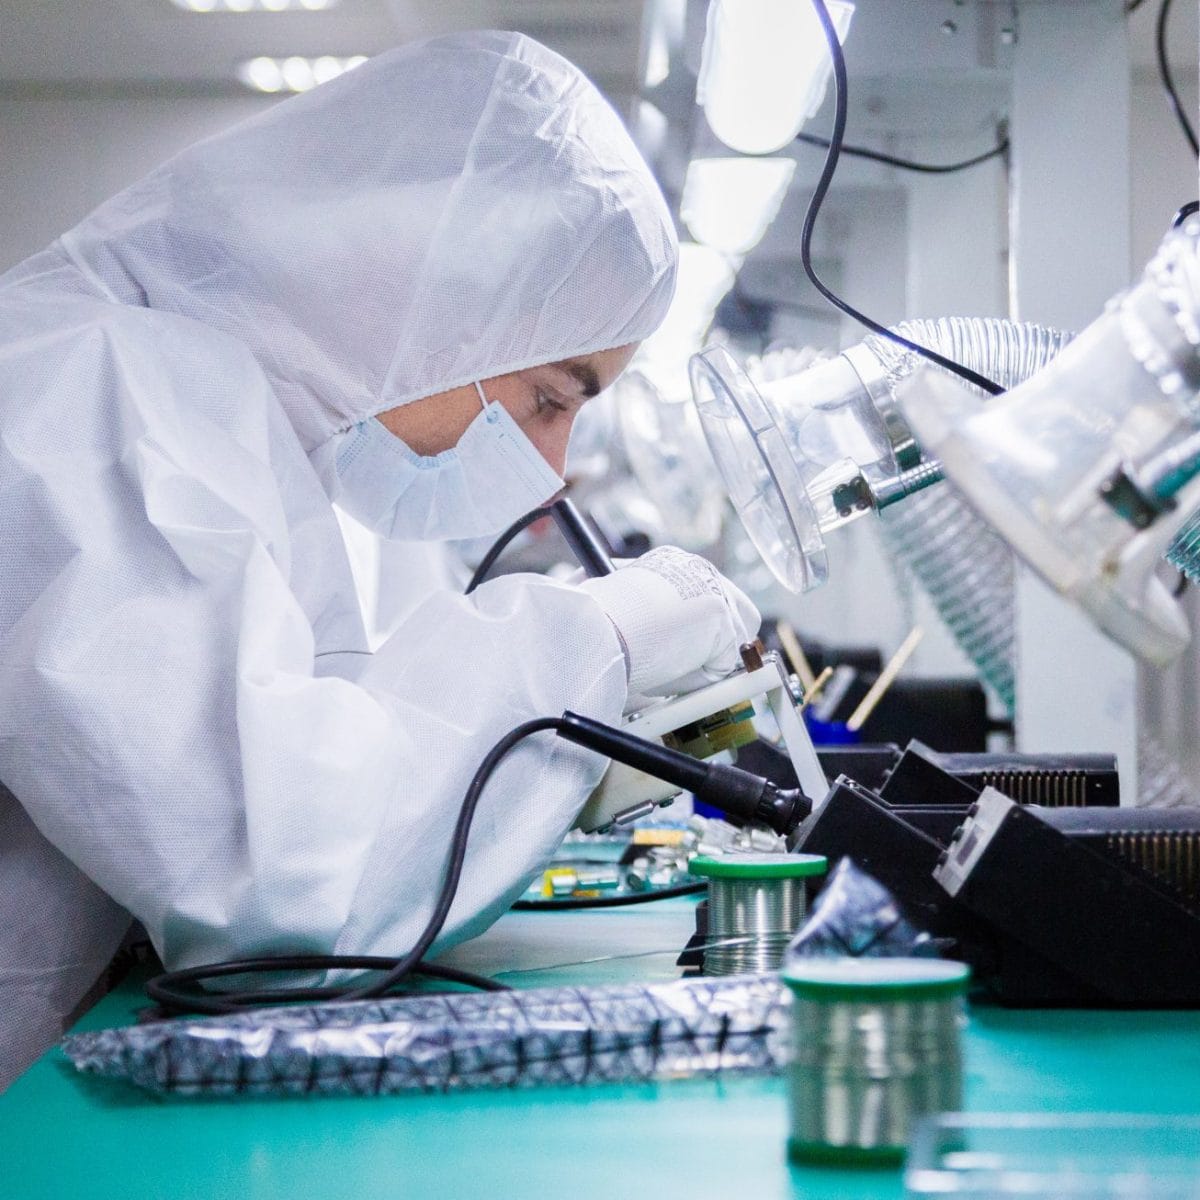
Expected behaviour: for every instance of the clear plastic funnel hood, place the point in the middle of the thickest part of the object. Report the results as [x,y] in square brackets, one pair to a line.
[815,446]
[759,475]
[802,454]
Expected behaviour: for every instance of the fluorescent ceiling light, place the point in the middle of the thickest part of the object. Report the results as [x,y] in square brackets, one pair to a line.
[658,60]
[253,6]
[662,31]
[764,69]
[728,203]
[294,74]
[704,276]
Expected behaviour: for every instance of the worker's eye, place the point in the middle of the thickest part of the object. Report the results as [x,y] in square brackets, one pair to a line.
[546,403]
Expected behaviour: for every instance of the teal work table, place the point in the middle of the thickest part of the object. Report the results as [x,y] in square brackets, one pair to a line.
[66,1137]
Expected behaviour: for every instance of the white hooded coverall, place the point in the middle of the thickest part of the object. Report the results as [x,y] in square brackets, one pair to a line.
[190,726]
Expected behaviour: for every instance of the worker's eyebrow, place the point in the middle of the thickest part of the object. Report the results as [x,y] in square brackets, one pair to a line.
[584,374]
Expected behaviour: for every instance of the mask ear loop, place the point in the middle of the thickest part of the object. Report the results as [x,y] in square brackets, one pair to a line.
[485,402]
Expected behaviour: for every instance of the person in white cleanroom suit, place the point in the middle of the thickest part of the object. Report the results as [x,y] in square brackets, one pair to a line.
[192,728]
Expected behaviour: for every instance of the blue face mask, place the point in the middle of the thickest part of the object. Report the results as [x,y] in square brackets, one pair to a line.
[492,476]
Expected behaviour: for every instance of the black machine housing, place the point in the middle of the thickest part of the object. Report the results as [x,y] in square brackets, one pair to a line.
[1085,904]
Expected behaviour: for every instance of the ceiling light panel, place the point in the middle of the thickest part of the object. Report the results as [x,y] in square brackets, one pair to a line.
[294,74]
[253,6]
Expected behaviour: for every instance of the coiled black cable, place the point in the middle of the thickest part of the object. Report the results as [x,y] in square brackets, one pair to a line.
[179,991]
[183,991]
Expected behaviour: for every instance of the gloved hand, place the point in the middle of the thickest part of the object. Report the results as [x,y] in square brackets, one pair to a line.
[680,620]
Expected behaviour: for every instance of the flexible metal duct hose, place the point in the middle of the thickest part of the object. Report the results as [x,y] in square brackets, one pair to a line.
[967,570]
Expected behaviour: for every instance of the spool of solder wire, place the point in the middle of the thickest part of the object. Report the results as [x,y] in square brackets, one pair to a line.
[755,905]
[876,1043]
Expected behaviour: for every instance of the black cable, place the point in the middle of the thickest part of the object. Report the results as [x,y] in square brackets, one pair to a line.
[501,544]
[818,197]
[566,902]
[1131,6]
[907,164]
[1164,72]
[181,990]
[1188,210]
[735,791]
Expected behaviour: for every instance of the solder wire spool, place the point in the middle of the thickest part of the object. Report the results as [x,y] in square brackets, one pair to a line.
[755,905]
[876,1044]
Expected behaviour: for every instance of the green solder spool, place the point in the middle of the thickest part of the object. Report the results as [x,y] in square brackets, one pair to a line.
[876,1044]
[756,903]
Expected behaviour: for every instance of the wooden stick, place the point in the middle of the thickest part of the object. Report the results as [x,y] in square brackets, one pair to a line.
[866,707]
[818,686]
[795,652]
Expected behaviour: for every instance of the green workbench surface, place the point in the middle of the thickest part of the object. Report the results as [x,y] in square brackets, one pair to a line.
[67,1136]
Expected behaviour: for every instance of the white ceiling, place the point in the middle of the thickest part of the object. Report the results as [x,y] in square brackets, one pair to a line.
[934,69]
[81,43]
[51,43]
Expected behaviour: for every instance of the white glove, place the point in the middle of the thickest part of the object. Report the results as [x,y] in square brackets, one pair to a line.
[680,620]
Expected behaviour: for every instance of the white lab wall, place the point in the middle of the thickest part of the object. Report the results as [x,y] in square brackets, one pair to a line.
[958,232]
[1163,171]
[60,155]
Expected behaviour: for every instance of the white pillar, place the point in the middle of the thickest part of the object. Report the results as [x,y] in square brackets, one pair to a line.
[1070,225]
[1070,251]
[956,268]
[956,234]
